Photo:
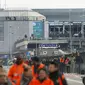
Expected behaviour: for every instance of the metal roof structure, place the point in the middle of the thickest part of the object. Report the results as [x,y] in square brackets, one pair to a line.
[19,13]
[63,14]
[59,11]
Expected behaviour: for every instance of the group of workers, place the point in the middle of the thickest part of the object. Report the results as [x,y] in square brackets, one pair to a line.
[21,73]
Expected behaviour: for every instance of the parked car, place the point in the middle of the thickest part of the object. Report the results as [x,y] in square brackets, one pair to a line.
[83,79]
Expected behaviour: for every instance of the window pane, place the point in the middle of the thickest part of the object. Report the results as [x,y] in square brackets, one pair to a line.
[1,31]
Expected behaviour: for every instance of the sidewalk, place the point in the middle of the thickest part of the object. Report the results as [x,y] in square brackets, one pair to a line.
[73,75]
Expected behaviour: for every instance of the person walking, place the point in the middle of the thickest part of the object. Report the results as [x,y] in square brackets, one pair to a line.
[3,77]
[26,76]
[55,75]
[67,64]
[42,78]
[62,64]
[72,63]
[16,70]
[79,61]
[36,65]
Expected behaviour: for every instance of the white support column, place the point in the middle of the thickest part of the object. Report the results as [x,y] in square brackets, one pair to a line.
[46,30]
[82,30]
[63,28]
[31,24]
[80,44]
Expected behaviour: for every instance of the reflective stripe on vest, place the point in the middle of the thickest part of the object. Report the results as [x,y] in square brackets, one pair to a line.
[60,79]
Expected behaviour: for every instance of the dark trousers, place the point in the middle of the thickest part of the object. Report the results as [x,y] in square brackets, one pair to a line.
[78,68]
[68,69]
[62,68]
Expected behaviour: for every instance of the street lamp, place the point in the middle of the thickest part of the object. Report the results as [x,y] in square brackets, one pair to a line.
[17,30]
[10,53]
[36,45]
[10,41]
[70,30]
[83,19]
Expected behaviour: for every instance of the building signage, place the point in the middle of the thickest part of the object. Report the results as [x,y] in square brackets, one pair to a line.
[48,46]
[28,54]
[38,30]
[4,56]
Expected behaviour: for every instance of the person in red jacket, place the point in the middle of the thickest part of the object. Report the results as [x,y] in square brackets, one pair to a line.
[16,70]
[42,78]
[36,66]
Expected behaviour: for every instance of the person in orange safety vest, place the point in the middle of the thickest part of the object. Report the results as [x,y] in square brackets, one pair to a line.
[16,70]
[42,78]
[26,76]
[62,60]
[62,64]
[36,66]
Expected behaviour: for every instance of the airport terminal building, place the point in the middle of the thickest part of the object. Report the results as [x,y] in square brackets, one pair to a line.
[44,30]
[15,25]
[68,24]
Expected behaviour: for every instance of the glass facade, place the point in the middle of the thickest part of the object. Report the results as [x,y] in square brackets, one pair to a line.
[76,29]
[72,31]
[84,30]
[55,30]
[64,29]
[1,30]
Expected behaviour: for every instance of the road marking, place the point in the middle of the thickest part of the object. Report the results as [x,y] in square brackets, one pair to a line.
[76,81]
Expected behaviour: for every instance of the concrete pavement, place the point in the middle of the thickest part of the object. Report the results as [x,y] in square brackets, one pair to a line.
[73,79]
[74,82]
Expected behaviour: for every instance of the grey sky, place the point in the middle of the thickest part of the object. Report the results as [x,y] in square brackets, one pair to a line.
[43,3]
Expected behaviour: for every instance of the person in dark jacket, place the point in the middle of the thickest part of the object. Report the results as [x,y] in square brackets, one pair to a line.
[62,64]
[55,75]
[79,61]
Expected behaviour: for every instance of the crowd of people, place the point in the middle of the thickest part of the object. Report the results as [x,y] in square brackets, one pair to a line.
[68,64]
[36,73]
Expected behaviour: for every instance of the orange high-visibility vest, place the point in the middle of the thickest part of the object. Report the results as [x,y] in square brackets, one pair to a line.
[62,60]
[45,82]
[60,80]
[15,72]
[35,74]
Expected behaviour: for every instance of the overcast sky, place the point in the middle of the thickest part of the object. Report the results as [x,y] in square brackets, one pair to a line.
[43,3]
